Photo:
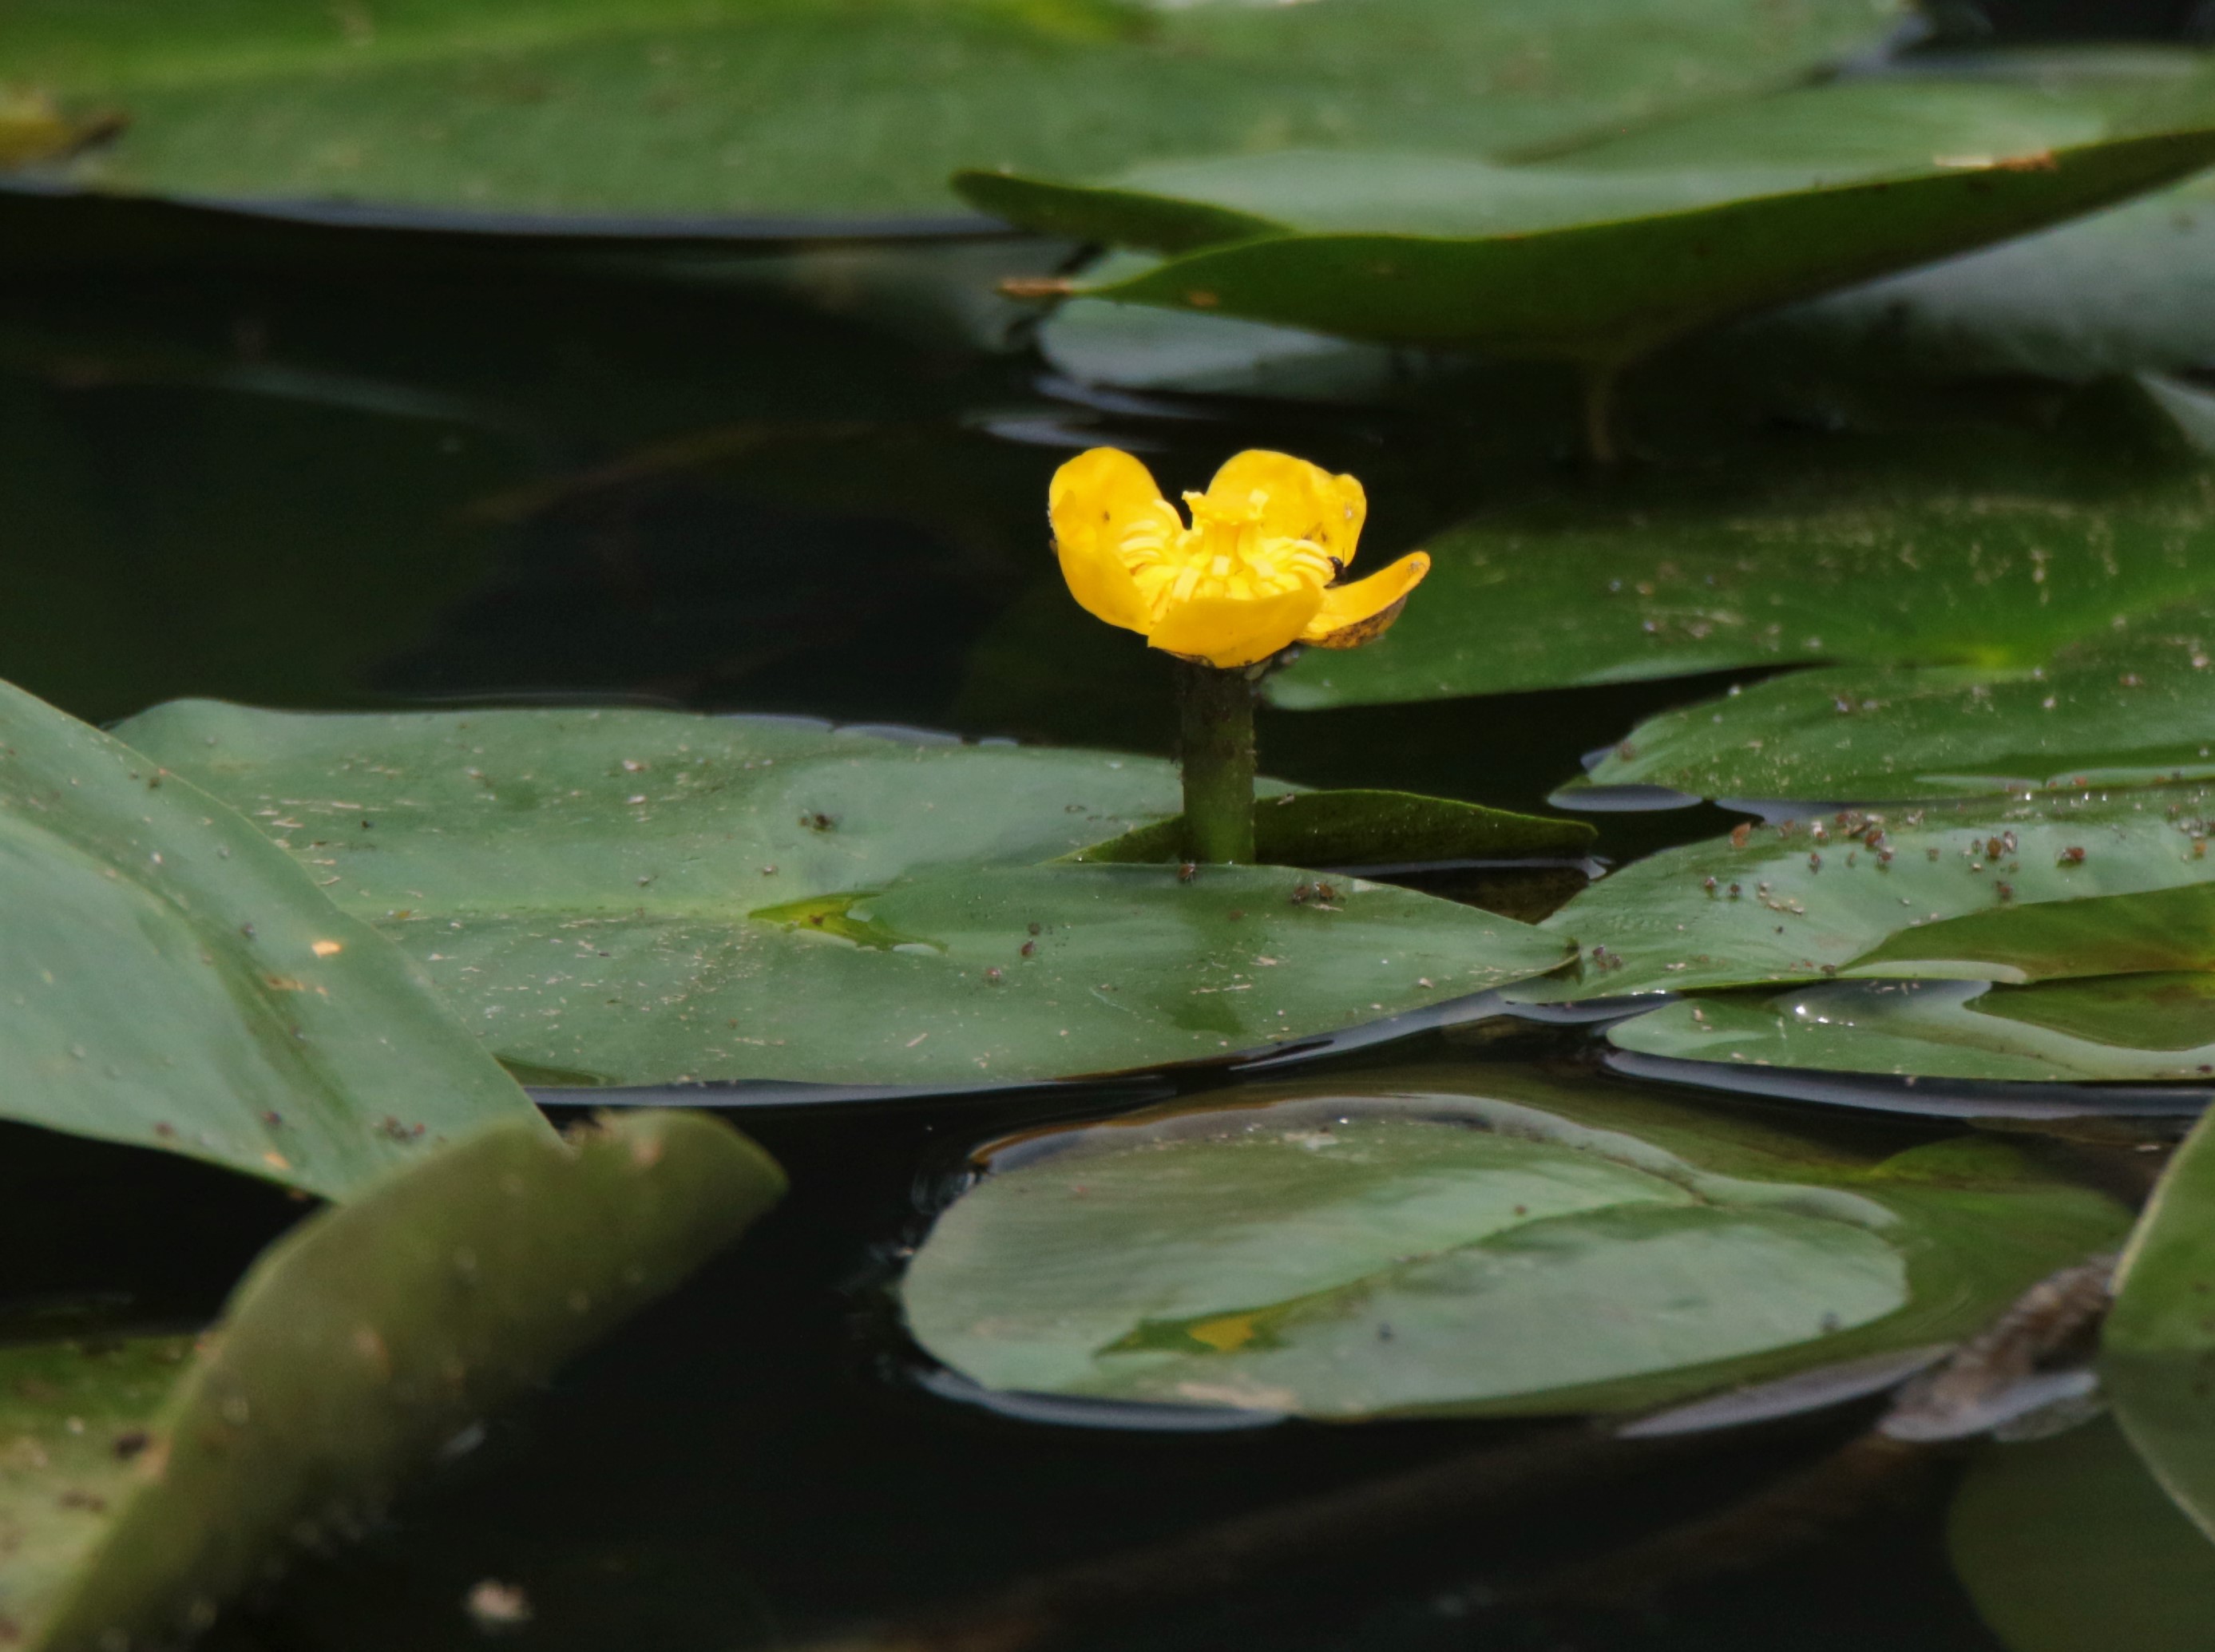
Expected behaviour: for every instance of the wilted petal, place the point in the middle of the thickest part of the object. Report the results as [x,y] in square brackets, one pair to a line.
[1351,615]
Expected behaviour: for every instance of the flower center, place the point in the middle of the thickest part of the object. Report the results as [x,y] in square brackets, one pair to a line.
[1226,552]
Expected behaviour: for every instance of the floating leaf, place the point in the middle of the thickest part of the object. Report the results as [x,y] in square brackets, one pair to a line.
[658,811]
[2130,708]
[2161,931]
[2068,1545]
[928,981]
[2116,1029]
[2159,1340]
[147,1482]
[170,980]
[636,108]
[650,897]
[1979,544]
[2119,292]
[1584,262]
[1365,828]
[1780,903]
[1470,1241]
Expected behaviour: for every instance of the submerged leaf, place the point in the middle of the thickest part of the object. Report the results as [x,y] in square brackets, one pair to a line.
[2068,1545]
[1469,1241]
[170,980]
[2159,1339]
[149,1481]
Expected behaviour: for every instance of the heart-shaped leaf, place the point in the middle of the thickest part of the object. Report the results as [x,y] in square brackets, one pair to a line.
[149,1481]
[1469,1241]
[646,897]
[171,980]
[1806,900]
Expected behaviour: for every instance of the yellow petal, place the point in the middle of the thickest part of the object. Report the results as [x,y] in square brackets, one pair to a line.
[1305,501]
[1351,615]
[1229,631]
[1093,502]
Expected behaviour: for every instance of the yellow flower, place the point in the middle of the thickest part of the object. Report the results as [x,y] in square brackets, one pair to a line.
[1253,574]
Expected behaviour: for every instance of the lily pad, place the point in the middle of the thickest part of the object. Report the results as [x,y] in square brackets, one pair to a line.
[2118,291]
[1580,261]
[633,109]
[1365,828]
[2131,707]
[2161,931]
[2068,1545]
[1806,899]
[170,980]
[1469,1242]
[647,897]
[478,810]
[2158,1341]
[149,1481]
[1979,544]
[2115,1029]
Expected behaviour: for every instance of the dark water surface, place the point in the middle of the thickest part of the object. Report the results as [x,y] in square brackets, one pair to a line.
[424,487]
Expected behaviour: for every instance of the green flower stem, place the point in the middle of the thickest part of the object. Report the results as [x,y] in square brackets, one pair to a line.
[1216,745]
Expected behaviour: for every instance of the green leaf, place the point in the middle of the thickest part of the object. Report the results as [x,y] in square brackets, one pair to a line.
[1980,544]
[2159,1340]
[1465,1244]
[1582,262]
[641,107]
[2128,708]
[927,982]
[2117,1029]
[1365,828]
[147,1481]
[2118,291]
[170,980]
[2163,930]
[650,897]
[657,811]
[2067,1545]
[1779,903]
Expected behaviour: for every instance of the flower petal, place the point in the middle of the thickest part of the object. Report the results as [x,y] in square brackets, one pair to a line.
[1228,631]
[1093,502]
[1305,501]
[1351,615]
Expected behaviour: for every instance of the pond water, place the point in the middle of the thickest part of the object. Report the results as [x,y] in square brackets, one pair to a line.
[430,485]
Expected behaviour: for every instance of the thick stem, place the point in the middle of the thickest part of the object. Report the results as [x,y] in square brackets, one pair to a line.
[1217,747]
